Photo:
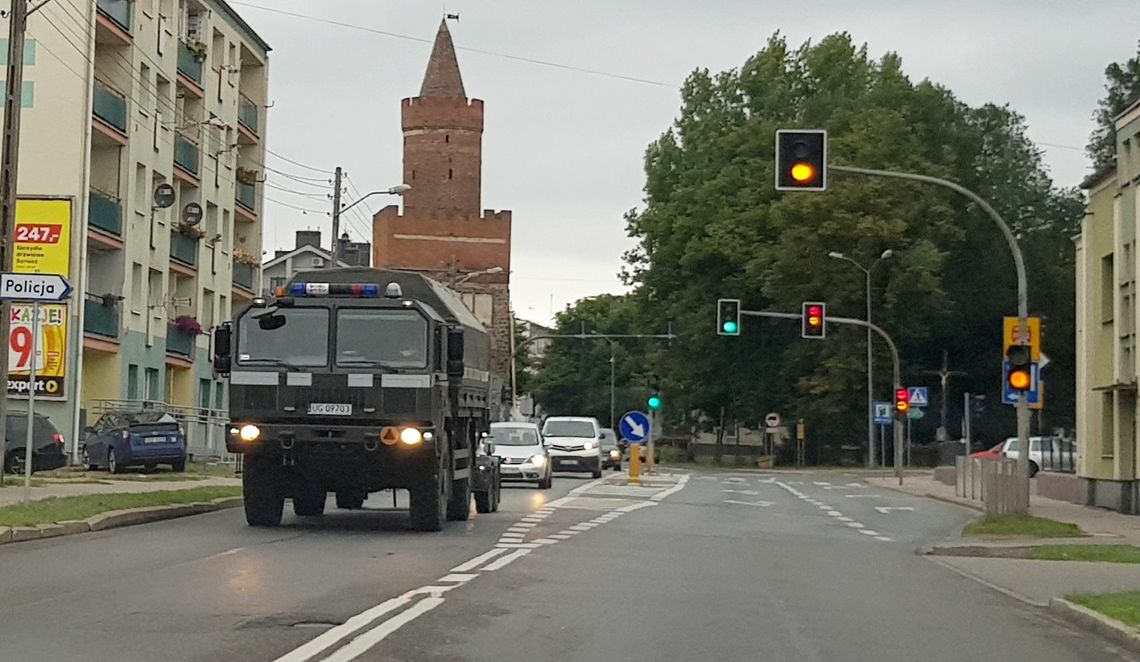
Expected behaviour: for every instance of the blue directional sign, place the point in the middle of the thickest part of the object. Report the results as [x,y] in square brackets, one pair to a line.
[882,413]
[1009,396]
[919,397]
[634,427]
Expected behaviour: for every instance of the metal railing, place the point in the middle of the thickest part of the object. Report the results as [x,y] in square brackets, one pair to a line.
[109,105]
[105,213]
[188,64]
[118,11]
[178,341]
[243,275]
[183,249]
[185,154]
[100,319]
[247,113]
[246,195]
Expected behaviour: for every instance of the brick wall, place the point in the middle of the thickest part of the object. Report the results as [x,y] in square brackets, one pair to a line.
[443,155]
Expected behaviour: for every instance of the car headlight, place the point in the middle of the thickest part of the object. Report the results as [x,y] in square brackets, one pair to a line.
[411,436]
[589,445]
[249,432]
[615,454]
[538,460]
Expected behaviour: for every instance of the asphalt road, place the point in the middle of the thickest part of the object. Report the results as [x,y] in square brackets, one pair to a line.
[707,565]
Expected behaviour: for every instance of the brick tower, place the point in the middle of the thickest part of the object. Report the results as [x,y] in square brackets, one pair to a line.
[443,232]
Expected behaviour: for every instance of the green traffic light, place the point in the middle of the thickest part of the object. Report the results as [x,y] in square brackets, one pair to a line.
[654,402]
[729,326]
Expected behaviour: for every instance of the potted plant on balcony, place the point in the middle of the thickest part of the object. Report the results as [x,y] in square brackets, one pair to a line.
[247,176]
[243,257]
[188,325]
[190,232]
[197,49]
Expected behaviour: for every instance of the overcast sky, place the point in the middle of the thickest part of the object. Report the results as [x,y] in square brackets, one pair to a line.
[563,148]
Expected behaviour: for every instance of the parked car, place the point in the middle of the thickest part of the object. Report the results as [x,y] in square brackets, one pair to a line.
[121,439]
[611,450]
[574,443]
[523,457]
[47,443]
[1053,453]
[990,453]
[486,480]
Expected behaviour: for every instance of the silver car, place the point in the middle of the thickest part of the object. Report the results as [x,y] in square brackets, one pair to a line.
[521,452]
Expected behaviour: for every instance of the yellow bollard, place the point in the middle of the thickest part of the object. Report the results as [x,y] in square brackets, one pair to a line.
[635,464]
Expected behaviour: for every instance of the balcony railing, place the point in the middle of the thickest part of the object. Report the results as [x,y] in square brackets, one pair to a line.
[183,249]
[185,154]
[105,213]
[100,319]
[247,113]
[110,106]
[178,341]
[243,275]
[188,64]
[118,11]
[246,196]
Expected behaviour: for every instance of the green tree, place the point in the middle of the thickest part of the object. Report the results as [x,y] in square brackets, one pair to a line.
[1122,89]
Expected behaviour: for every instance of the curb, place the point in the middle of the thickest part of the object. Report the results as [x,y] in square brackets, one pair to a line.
[980,551]
[1121,633]
[114,519]
[928,495]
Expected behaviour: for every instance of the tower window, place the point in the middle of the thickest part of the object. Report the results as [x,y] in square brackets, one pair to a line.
[450,173]
[413,175]
[447,137]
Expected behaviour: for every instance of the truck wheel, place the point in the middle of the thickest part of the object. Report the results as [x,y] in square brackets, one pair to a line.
[429,506]
[349,500]
[309,501]
[459,507]
[262,493]
[483,502]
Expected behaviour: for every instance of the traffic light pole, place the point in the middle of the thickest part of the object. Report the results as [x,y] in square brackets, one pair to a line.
[897,374]
[1022,306]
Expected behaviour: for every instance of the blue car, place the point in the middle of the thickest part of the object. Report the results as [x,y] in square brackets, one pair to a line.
[120,439]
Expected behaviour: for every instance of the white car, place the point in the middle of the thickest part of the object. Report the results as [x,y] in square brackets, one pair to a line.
[1044,453]
[574,443]
[522,456]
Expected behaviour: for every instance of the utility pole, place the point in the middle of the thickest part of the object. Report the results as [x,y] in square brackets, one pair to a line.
[336,217]
[944,376]
[9,175]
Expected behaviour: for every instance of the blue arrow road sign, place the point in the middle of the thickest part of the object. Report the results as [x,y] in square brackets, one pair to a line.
[1009,396]
[34,287]
[882,413]
[919,397]
[634,427]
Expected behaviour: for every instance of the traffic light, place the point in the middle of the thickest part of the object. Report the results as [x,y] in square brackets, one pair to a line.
[1020,357]
[654,402]
[801,160]
[902,402]
[728,317]
[814,319]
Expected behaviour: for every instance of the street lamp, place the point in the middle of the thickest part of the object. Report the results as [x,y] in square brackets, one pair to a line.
[870,360]
[473,274]
[398,189]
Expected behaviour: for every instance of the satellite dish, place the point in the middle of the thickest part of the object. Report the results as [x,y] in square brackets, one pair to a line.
[164,196]
[192,214]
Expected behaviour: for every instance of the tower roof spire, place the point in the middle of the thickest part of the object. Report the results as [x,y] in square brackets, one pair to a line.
[442,78]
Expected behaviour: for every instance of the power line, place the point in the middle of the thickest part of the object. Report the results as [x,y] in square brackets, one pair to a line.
[296,163]
[313,196]
[291,206]
[506,56]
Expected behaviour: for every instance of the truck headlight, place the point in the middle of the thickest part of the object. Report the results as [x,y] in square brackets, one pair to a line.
[411,436]
[249,432]
[538,460]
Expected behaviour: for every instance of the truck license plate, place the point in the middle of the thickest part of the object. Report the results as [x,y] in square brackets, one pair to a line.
[330,409]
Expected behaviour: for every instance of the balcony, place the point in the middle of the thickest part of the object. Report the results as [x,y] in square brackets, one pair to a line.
[185,154]
[188,64]
[118,15]
[243,275]
[247,114]
[178,341]
[100,319]
[183,249]
[110,107]
[105,213]
[246,195]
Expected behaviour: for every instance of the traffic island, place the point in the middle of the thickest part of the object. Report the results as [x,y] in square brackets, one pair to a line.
[1115,616]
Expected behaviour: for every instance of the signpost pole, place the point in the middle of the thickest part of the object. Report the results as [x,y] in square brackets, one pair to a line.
[908,439]
[29,459]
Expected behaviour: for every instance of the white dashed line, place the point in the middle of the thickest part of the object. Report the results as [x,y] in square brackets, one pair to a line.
[477,561]
[835,513]
[855,525]
[545,541]
[506,560]
[559,536]
[518,545]
[884,538]
[868,532]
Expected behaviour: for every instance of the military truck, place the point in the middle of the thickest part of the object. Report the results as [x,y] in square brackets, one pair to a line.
[353,381]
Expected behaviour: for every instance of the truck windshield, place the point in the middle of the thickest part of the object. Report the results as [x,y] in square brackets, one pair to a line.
[371,337]
[302,341]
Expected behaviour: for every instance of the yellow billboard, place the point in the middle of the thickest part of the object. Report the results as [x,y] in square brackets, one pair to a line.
[43,237]
[51,350]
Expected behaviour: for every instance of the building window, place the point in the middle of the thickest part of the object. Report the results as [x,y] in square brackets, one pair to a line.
[276,282]
[204,393]
[153,387]
[1107,288]
[136,289]
[1107,422]
[132,382]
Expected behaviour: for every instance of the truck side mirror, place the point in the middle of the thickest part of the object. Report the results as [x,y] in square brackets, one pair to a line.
[455,353]
[223,349]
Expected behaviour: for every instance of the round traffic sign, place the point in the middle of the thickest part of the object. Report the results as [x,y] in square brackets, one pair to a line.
[772,420]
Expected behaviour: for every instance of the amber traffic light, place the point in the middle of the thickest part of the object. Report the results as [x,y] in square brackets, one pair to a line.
[902,401]
[1018,376]
[801,160]
[814,319]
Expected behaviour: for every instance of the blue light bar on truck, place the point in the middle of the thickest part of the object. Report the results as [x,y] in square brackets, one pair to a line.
[330,289]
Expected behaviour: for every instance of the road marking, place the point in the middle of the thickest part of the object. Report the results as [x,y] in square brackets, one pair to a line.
[228,552]
[886,509]
[532,520]
[843,518]
[855,525]
[523,525]
[835,513]
[477,561]
[560,536]
[517,545]
[570,532]
[820,482]
[521,530]
[546,541]
[636,506]
[313,648]
[761,504]
[460,578]
[868,532]
[364,642]
[672,490]
[884,539]
[506,560]
[862,496]
[744,492]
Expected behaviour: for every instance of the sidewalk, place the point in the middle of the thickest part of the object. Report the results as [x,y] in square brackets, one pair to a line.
[13,491]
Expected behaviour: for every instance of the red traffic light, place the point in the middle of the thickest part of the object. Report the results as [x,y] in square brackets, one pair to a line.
[902,400]
[814,320]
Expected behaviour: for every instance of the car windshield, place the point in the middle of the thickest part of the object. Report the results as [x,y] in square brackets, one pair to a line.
[569,429]
[373,337]
[508,436]
[302,341]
